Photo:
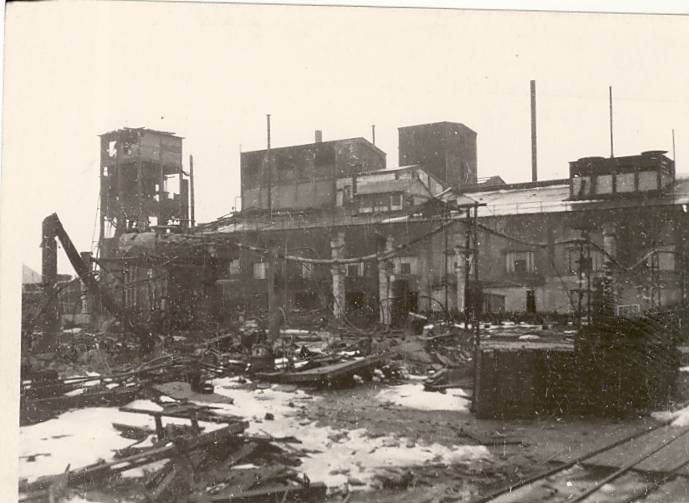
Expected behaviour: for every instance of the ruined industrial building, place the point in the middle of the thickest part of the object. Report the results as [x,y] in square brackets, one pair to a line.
[363,332]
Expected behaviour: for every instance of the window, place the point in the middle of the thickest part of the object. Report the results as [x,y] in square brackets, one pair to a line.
[260,270]
[664,258]
[520,261]
[355,270]
[233,267]
[306,270]
[396,200]
[595,264]
[405,265]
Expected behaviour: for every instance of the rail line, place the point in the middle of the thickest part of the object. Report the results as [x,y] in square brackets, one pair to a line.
[597,485]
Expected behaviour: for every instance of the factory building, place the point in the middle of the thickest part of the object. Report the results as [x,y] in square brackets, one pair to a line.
[543,247]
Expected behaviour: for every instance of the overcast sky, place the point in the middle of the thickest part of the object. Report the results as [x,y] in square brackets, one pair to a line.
[211,72]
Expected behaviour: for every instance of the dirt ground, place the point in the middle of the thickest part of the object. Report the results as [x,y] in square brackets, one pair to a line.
[543,440]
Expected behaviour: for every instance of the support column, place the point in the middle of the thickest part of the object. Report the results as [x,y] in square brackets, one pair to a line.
[461,278]
[274,314]
[385,277]
[85,294]
[337,245]
[424,274]
[610,247]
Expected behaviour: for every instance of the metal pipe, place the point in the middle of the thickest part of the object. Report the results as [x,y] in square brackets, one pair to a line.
[534,154]
[612,154]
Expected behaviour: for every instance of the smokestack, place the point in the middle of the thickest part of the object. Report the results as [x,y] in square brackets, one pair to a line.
[319,136]
[612,152]
[534,154]
[373,134]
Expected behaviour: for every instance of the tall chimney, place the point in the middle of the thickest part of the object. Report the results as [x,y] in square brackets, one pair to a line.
[373,134]
[612,152]
[319,136]
[534,154]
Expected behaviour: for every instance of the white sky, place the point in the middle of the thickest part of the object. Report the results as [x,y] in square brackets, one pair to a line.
[210,72]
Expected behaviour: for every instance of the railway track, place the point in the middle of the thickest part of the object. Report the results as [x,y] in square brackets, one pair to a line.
[634,452]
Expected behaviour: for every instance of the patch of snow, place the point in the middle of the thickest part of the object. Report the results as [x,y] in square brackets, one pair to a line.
[529,337]
[684,369]
[346,453]
[75,392]
[89,429]
[679,417]
[415,397]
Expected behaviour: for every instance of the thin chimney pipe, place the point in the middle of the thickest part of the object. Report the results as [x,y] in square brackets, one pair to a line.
[612,152]
[674,159]
[373,134]
[534,153]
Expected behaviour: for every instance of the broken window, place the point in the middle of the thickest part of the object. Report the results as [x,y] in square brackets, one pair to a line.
[664,258]
[306,270]
[520,262]
[593,263]
[355,270]
[233,267]
[260,270]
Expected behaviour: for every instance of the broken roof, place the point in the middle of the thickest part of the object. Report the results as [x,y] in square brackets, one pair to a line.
[143,129]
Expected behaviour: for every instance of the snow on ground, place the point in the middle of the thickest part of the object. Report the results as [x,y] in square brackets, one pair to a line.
[82,437]
[334,456]
[684,369]
[415,397]
[679,417]
[341,453]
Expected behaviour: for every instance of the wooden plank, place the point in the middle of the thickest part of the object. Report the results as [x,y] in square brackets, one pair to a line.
[324,373]
[198,413]
[101,470]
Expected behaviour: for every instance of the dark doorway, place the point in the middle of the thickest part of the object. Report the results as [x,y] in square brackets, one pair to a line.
[530,301]
[305,300]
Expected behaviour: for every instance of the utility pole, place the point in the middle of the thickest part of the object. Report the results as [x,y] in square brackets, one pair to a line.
[580,278]
[273,311]
[467,268]
[445,251]
[589,267]
[475,308]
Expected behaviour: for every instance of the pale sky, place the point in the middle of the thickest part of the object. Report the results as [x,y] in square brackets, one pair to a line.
[210,73]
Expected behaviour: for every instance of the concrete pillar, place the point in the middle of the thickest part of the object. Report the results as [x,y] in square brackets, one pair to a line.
[424,273]
[609,244]
[461,278]
[85,294]
[337,245]
[607,302]
[385,277]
